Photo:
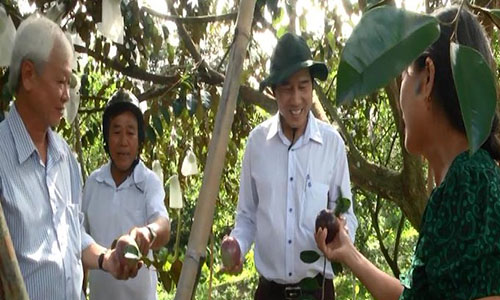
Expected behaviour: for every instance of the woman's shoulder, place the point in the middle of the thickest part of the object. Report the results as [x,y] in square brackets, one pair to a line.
[476,167]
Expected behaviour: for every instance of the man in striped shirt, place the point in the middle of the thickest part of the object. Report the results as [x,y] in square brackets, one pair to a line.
[40,183]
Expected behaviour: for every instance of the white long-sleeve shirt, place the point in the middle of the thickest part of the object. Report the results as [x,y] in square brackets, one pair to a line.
[281,193]
[41,203]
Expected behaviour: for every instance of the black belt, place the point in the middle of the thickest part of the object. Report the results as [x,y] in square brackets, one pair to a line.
[289,291]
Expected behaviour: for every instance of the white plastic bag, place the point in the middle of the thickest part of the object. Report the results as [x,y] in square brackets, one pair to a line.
[175,192]
[7,35]
[112,21]
[189,164]
[71,107]
[158,170]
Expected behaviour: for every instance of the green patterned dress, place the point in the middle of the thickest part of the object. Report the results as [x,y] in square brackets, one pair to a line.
[458,252]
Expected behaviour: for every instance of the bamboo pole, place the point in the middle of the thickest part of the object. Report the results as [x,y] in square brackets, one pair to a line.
[204,213]
[12,286]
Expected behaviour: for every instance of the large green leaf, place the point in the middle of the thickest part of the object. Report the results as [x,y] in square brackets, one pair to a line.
[382,45]
[476,91]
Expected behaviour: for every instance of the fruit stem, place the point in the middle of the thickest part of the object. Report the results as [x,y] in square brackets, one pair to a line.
[178,234]
[323,284]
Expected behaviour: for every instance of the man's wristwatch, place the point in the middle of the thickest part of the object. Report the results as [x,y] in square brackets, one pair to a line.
[100,261]
[152,234]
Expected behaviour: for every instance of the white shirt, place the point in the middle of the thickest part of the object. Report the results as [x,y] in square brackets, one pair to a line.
[281,193]
[42,209]
[112,211]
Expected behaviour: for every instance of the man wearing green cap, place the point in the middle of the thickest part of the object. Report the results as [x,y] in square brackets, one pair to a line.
[294,166]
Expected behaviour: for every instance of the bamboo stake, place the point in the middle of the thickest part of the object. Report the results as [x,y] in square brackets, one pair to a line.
[204,213]
[12,287]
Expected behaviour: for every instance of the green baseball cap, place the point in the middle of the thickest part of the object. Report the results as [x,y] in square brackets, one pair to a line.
[290,55]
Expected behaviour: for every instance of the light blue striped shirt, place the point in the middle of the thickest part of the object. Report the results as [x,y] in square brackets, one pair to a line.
[42,208]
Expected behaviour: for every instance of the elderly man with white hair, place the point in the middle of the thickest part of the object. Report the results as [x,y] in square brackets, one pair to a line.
[40,183]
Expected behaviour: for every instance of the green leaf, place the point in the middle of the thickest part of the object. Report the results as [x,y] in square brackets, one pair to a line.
[371,4]
[131,252]
[148,262]
[342,205]
[382,45]
[157,125]
[177,107]
[150,134]
[337,268]
[309,284]
[476,91]
[166,114]
[309,256]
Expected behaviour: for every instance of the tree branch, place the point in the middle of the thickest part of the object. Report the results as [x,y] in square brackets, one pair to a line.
[397,242]
[90,110]
[252,96]
[292,14]
[374,214]
[366,175]
[130,71]
[185,37]
[414,184]
[193,19]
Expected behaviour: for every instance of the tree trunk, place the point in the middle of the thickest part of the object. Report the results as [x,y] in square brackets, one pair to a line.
[203,216]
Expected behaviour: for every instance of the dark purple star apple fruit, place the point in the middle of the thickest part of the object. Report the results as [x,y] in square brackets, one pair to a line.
[326,219]
[230,250]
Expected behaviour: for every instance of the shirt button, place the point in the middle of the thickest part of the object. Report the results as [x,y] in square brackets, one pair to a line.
[289,241]
[291,178]
[290,274]
[290,210]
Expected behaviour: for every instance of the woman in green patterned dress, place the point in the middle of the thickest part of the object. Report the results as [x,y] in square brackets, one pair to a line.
[458,251]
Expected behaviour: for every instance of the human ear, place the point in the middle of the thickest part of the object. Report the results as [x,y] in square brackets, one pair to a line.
[428,77]
[28,75]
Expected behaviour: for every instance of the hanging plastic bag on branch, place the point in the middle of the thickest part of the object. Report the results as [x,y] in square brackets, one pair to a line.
[158,170]
[71,107]
[175,192]
[7,35]
[56,12]
[189,164]
[112,21]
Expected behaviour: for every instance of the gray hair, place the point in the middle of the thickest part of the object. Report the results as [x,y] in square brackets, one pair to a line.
[35,39]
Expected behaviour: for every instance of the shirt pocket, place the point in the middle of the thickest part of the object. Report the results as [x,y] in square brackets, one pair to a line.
[315,198]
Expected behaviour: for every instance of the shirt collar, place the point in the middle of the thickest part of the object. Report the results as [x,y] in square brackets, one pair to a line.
[312,130]
[23,142]
[138,175]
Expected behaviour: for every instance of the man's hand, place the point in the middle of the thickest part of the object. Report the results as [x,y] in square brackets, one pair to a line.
[116,264]
[340,247]
[143,238]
